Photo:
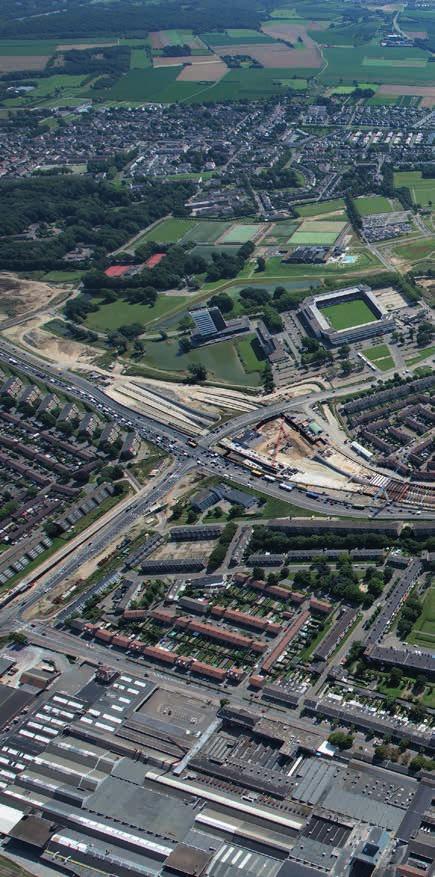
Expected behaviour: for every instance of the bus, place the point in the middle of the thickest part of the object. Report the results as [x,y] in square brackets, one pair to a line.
[286,486]
[192,443]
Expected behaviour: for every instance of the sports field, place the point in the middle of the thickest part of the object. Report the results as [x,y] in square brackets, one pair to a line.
[188,230]
[380,356]
[348,314]
[320,233]
[368,205]
[240,234]
[321,207]
[423,632]
[422,189]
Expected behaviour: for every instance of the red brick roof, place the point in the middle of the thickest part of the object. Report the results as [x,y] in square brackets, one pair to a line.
[290,634]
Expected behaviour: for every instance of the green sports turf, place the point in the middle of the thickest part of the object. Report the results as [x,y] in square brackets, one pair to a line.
[348,314]
[240,234]
[307,238]
[168,232]
[371,204]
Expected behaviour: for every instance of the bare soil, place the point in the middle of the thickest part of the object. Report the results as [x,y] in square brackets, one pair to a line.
[9,63]
[210,71]
[19,297]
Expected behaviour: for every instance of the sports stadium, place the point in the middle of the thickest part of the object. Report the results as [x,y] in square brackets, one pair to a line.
[345,315]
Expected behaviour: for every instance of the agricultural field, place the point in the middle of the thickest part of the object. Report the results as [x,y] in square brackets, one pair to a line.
[380,356]
[422,190]
[166,84]
[408,66]
[368,205]
[235,37]
[423,632]
[348,314]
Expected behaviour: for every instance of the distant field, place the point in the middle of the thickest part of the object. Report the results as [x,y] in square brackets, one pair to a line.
[348,314]
[161,85]
[367,64]
[235,36]
[380,356]
[240,234]
[371,204]
[139,59]
[422,190]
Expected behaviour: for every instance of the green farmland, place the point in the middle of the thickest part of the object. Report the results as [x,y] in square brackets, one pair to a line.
[160,85]
[369,63]
[348,314]
[236,37]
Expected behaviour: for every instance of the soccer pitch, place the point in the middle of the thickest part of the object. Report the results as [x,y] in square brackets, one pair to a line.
[240,234]
[348,314]
[318,238]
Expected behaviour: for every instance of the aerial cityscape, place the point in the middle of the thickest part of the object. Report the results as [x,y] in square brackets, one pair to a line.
[217,438]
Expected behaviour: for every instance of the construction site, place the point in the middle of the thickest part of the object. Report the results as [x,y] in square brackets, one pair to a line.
[300,452]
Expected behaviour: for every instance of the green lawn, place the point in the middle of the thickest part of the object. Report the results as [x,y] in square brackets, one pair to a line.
[423,632]
[249,351]
[221,360]
[120,313]
[320,208]
[424,354]
[63,276]
[380,356]
[371,204]
[349,313]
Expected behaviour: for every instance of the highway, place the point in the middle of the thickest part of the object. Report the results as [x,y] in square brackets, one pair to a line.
[174,441]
